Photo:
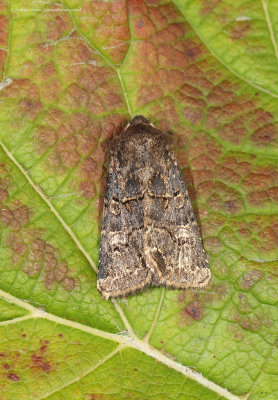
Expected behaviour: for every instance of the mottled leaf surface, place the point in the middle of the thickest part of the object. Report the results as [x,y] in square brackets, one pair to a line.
[72,75]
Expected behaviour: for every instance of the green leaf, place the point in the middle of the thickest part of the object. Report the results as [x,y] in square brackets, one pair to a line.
[73,74]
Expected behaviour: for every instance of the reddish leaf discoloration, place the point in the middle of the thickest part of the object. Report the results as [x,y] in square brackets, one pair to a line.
[94,396]
[207,8]
[12,376]
[208,94]
[39,362]
[243,304]
[240,29]
[4,27]
[27,97]
[213,245]
[16,216]
[266,135]
[39,359]
[4,37]
[194,310]
[55,24]
[250,323]
[25,243]
[106,26]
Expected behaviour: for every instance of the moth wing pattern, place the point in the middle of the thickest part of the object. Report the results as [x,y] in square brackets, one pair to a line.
[174,244]
[149,232]
[122,268]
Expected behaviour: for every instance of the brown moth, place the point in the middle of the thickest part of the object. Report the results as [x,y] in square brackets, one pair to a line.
[149,232]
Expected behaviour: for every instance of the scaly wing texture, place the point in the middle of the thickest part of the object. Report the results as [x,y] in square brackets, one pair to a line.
[122,269]
[175,243]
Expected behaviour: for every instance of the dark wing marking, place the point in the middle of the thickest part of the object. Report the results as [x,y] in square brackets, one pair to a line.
[122,268]
[174,248]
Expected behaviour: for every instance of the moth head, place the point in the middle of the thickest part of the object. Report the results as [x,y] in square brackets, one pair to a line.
[139,119]
[141,136]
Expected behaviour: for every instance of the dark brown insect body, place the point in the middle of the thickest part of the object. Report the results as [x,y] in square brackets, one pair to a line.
[149,232]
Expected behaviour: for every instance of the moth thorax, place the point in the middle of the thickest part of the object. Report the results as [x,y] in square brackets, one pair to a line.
[143,174]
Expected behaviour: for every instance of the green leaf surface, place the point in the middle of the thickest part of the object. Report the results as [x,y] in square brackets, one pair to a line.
[72,75]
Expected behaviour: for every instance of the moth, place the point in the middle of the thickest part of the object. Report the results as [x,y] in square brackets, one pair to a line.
[149,233]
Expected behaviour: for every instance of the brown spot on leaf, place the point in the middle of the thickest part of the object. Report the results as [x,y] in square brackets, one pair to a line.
[76,97]
[250,323]
[221,197]
[93,77]
[3,55]
[68,284]
[250,278]
[243,305]
[39,360]
[257,181]
[88,189]
[15,216]
[265,135]
[4,27]
[58,23]
[92,171]
[106,25]
[29,105]
[3,195]
[261,198]
[238,336]
[147,94]
[13,377]
[239,29]
[94,396]
[220,268]
[222,291]
[267,322]
[231,206]
[194,310]
[22,89]
[213,245]
[208,7]
[61,271]
[39,257]
[46,138]
[143,27]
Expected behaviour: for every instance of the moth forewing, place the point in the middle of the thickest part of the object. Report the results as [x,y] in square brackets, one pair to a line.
[149,232]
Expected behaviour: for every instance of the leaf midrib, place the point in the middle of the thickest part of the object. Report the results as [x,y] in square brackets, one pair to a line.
[125,341]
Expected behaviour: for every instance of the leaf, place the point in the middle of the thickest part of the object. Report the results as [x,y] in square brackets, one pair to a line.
[73,73]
